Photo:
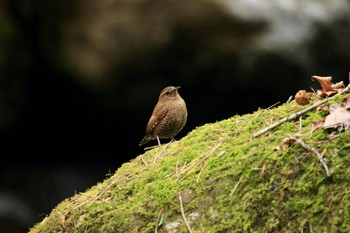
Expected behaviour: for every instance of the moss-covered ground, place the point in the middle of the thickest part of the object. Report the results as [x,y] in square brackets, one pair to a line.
[227,180]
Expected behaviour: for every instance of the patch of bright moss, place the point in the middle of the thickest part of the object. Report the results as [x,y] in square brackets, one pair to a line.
[228,181]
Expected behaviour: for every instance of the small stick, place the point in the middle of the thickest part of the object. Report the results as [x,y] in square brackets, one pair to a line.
[310,227]
[275,104]
[143,160]
[159,214]
[268,108]
[289,99]
[162,149]
[183,214]
[295,115]
[319,156]
[200,173]
[235,188]
[193,165]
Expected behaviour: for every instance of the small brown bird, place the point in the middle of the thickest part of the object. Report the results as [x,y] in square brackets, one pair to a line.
[168,118]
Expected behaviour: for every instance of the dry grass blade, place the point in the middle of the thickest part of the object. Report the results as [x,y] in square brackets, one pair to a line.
[157,223]
[186,170]
[183,214]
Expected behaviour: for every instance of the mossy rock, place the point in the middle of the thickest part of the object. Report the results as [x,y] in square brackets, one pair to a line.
[227,180]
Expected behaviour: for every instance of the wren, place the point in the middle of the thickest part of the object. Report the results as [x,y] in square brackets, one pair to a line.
[168,118]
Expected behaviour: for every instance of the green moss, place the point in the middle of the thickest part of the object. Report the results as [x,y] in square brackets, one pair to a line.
[228,181]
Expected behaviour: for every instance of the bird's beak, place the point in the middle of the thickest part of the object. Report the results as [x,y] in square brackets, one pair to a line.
[178,87]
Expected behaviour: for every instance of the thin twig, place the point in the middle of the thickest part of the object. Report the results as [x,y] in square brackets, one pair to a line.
[325,215]
[275,104]
[143,160]
[183,215]
[162,149]
[192,165]
[310,227]
[268,108]
[235,188]
[319,156]
[99,195]
[201,171]
[157,223]
[186,167]
[289,99]
[295,115]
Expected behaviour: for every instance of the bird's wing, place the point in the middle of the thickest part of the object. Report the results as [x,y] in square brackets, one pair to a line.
[158,114]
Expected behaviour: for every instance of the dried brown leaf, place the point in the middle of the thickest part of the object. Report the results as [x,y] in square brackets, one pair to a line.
[326,82]
[329,93]
[338,85]
[320,93]
[338,116]
[317,124]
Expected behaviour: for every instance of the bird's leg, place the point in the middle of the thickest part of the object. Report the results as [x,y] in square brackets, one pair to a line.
[151,147]
[158,141]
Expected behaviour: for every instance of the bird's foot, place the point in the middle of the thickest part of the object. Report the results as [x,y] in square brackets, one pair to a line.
[151,147]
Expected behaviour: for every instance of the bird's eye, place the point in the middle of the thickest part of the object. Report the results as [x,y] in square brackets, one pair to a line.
[167,93]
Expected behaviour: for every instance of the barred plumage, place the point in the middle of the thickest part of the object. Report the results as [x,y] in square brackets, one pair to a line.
[168,118]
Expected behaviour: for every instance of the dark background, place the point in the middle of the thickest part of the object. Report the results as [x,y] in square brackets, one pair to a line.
[79,80]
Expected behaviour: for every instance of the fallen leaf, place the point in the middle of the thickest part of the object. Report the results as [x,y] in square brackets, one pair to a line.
[329,93]
[302,98]
[337,86]
[326,82]
[338,116]
[333,108]
[328,88]
[315,125]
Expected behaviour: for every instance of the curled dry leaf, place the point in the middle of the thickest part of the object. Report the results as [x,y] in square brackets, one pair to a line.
[328,88]
[302,98]
[338,86]
[326,82]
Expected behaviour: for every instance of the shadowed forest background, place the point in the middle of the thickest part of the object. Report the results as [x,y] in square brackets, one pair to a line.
[79,80]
